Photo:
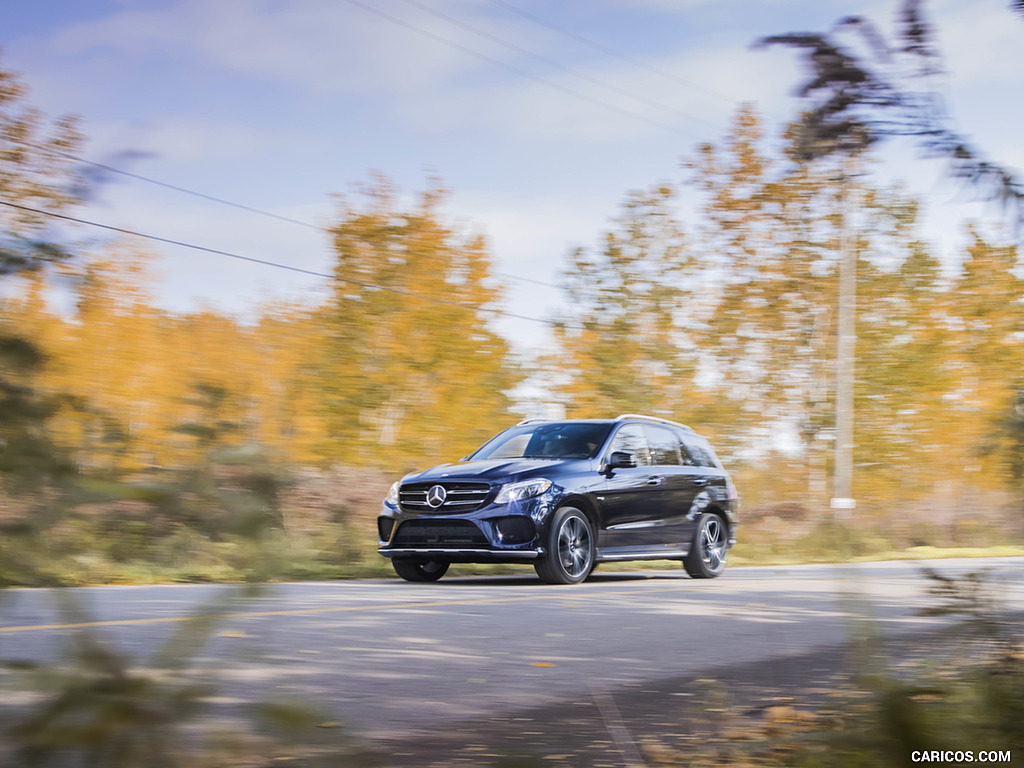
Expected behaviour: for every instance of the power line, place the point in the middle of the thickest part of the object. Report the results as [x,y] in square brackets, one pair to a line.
[557,65]
[464,49]
[277,265]
[164,184]
[512,68]
[611,51]
[240,206]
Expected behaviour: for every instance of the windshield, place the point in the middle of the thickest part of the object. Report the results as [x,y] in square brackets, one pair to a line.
[546,441]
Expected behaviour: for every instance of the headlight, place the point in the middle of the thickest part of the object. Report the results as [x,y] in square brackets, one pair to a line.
[392,497]
[522,490]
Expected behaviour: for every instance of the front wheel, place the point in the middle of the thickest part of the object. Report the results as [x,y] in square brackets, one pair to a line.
[420,570]
[570,552]
[708,551]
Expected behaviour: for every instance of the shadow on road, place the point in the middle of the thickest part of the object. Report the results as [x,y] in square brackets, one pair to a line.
[528,579]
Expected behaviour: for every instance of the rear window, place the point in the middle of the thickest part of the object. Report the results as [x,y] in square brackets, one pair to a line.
[700,450]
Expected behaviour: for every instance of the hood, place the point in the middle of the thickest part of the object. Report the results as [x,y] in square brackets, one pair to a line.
[486,470]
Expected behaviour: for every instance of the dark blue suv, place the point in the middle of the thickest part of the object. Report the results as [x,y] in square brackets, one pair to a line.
[566,495]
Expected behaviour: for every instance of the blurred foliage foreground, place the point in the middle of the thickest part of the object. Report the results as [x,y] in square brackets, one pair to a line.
[237,517]
[963,690]
[96,706]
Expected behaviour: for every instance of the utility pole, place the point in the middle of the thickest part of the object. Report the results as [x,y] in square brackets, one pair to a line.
[846,342]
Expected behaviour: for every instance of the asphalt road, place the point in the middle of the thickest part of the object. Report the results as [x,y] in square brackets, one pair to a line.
[394,660]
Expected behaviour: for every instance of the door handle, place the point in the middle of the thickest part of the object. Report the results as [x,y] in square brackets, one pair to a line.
[655,480]
[700,481]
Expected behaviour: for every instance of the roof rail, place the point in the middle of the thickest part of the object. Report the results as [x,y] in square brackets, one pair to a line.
[530,421]
[658,419]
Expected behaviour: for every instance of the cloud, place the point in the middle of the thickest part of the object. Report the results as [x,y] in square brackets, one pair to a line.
[982,42]
[325,51]
[195,139]
[621,102]
[314,46]
[324,48]
[677,7]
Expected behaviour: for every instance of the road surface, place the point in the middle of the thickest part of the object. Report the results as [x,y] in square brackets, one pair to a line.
[396,661]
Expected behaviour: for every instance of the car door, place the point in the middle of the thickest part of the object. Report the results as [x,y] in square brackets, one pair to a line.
[633,499]
[677,485]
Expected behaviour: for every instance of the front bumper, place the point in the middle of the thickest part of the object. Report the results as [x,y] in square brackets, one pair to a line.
[494,533]
[465,555]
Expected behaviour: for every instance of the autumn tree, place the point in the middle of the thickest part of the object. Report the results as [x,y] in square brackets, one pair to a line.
[939,359]
[31,177]
[864,87]
[987,359]
[622,343]
[413,370]
[763,233]
[292,343]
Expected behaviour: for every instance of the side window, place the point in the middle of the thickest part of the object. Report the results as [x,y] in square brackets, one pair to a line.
[631,438]
[663,444]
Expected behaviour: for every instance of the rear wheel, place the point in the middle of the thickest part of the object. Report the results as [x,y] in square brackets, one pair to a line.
[708,551]
[570,552]
[420,570]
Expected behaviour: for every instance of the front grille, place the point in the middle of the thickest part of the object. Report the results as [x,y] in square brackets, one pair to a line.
[459,497]
[516,530]
[439,533]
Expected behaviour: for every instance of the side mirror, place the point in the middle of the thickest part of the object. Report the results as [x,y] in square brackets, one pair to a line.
[621,460]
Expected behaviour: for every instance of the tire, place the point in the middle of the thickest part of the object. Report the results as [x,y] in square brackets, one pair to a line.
[709,549]
[571,548]
[420,570]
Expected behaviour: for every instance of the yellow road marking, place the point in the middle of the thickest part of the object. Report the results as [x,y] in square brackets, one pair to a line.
[336,609]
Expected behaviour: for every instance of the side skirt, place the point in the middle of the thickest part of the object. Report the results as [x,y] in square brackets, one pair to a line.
[662,552]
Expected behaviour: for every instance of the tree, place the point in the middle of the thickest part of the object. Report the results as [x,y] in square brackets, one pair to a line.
[988,355]
[292,344]
[32,177]
[857,100]
[855,105]
[622,342]
[31,464]
[412,371]
[768,243]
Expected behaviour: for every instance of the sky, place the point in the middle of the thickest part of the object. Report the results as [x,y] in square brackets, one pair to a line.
[538,116]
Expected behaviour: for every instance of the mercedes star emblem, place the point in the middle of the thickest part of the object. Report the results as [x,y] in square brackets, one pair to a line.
[436,496]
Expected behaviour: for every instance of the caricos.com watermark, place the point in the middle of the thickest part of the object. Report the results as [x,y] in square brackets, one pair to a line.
[960,756]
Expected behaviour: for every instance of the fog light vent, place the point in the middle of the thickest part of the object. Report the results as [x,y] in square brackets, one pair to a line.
[516,530]
[384,527]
